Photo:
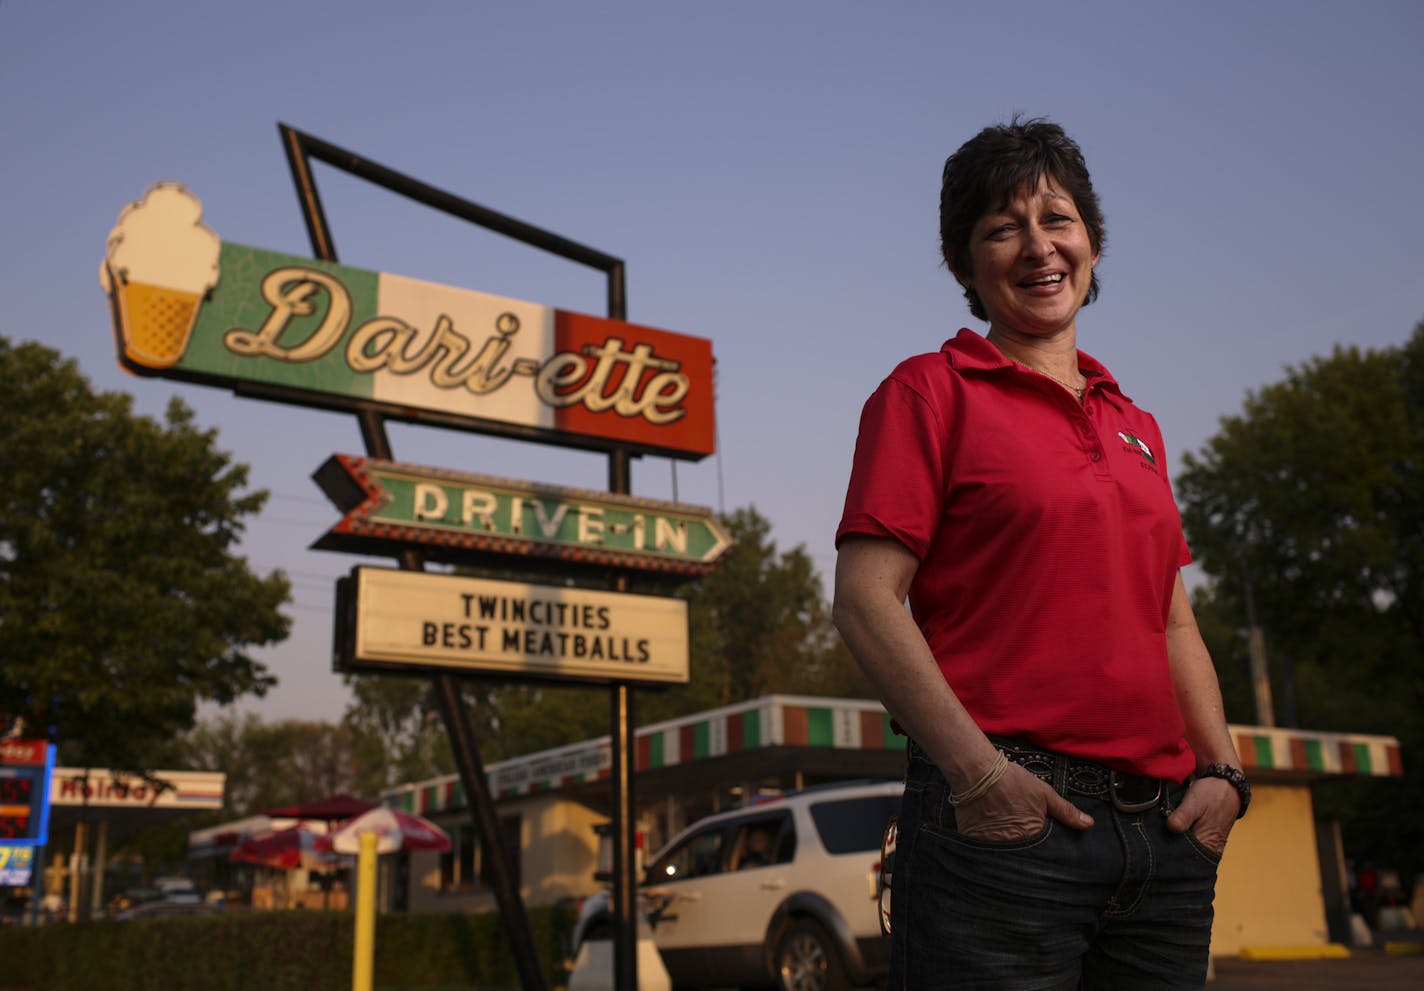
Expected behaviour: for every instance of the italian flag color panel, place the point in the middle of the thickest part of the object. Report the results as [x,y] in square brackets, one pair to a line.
[333,335]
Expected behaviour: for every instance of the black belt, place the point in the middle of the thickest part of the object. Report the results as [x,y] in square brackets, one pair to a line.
[1127,792]
[1073,775]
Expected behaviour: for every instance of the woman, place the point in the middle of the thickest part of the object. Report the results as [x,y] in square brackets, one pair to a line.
[1071,781]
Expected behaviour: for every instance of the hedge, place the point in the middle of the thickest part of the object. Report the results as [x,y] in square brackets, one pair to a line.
[276,951]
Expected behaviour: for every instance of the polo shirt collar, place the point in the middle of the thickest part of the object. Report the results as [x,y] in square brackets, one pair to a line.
[971,350]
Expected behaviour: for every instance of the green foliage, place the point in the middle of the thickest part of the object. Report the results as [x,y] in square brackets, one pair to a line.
[276,951]
[1219,617]
[760,624]
[1314,495]
[441,950]
[281,763]
[1317,491]
[396,730]
[122,603]
[524,719]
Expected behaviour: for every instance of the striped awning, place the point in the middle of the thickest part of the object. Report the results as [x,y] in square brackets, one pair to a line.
[848,724]
[1274,749]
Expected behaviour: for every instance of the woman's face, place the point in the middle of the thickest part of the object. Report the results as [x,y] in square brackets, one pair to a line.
[1031,262]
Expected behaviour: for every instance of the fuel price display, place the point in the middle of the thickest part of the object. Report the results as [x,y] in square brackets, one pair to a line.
[25,768]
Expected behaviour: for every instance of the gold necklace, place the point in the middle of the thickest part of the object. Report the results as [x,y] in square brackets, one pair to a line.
[1077,390]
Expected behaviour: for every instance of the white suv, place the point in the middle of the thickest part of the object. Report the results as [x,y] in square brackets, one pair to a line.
[782,892]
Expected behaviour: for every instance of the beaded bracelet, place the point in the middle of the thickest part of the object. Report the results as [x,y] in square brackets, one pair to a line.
[1233,776]
[981,787]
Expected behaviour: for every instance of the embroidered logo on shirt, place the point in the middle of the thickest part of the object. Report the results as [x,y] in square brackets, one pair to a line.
[1138,443]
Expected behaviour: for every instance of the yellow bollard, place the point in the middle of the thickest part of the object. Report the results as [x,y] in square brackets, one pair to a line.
[363,966]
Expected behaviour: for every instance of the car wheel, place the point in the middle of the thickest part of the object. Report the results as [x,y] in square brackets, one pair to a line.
[806,960]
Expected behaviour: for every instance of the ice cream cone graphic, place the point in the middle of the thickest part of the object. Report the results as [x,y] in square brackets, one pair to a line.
[160,263]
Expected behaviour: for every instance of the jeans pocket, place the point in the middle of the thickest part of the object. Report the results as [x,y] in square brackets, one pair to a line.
[949,830]
[1212,857]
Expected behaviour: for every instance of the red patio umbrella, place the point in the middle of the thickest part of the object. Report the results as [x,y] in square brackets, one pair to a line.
[288,848]
[332,808]
[395,830]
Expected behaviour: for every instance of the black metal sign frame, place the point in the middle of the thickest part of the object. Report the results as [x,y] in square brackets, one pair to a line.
[301,149]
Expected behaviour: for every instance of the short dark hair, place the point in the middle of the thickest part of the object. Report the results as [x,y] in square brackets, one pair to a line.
[995,164]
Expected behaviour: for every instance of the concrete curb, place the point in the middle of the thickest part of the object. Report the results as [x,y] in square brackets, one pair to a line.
[1327,951]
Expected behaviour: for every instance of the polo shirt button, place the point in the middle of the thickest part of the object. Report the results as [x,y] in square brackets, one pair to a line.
[1095,455]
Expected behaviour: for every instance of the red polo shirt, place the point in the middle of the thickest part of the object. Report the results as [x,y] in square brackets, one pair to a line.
[1048,541]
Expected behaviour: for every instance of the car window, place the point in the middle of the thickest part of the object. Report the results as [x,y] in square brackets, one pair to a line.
[700,854]
[763,842]
[853,825]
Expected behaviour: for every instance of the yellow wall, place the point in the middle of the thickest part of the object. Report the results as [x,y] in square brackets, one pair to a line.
[1268,892]
[559,853]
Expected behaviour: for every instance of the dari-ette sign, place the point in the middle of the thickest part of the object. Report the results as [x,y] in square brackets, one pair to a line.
[418,621]
[188,306]
[453,515]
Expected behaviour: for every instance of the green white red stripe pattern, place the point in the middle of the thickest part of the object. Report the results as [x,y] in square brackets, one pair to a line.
[854,724]
[336,333]
[1318,753]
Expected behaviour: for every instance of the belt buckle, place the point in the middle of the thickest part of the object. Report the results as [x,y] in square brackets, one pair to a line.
[1115,780]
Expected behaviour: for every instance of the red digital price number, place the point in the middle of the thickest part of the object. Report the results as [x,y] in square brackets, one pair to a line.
[16,796]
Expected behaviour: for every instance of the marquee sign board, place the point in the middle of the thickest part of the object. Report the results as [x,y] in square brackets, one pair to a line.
[453,515]
[188,306]
[389,620]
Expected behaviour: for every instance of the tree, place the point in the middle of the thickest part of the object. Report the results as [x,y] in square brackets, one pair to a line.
[1313,498]
[280,763]
[1220,619]
[122,604]
[267,765]
[397,729]
[760,624]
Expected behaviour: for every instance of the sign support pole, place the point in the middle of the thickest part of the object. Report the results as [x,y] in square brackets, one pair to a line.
[625,910]
[300,148]
[37,885]
[457,726]
[506,888]
[623,740]
[472,777]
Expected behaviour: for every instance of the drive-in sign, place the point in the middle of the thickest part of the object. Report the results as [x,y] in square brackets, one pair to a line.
[390,619]
[452,515]
[189,306]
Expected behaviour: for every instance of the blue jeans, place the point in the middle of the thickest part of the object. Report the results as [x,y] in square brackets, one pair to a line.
[1125,905]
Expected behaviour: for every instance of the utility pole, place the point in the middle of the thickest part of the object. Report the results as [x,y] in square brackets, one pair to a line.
[1256,648]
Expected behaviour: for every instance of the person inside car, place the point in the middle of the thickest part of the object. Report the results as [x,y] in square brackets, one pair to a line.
[757,853]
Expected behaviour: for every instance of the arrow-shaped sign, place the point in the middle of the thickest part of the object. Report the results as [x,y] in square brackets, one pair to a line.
[455,516]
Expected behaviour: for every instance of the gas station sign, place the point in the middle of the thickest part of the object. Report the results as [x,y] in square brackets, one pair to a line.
[25,769]
[17,865]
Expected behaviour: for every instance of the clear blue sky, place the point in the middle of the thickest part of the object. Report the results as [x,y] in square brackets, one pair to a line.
[769,172]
